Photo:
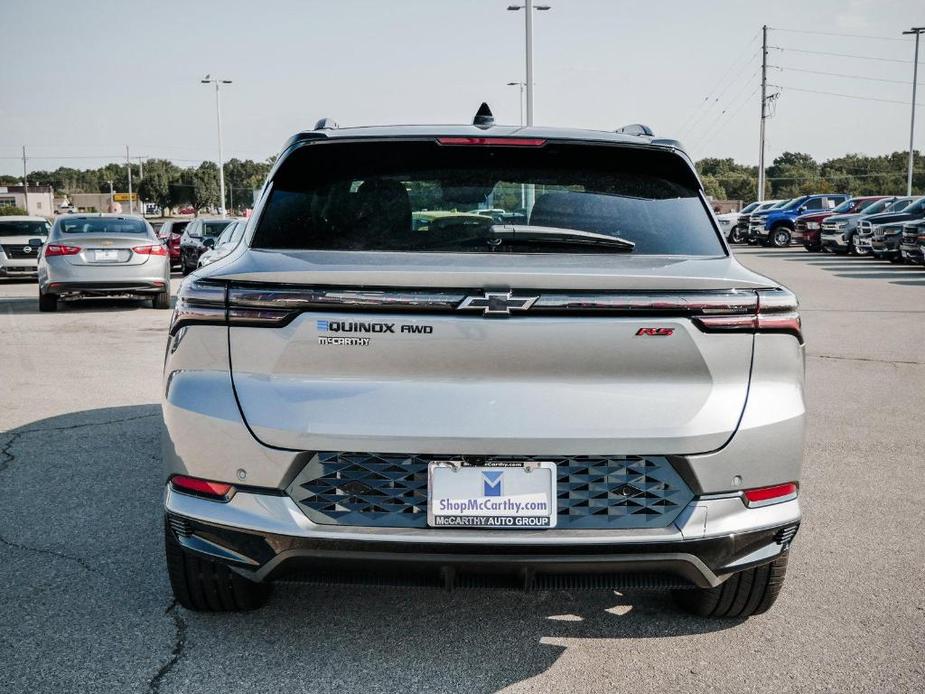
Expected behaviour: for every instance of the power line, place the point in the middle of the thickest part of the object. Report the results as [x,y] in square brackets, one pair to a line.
[738,65]
[833,33]
[838,74]
[846,96]
[839,55]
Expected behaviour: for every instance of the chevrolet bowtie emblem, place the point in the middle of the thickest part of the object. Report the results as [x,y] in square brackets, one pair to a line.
[497,303]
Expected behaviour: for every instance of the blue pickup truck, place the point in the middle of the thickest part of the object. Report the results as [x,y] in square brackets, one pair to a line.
[775,227]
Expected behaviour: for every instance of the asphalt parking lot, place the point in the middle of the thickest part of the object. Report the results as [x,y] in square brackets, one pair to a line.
[85,604]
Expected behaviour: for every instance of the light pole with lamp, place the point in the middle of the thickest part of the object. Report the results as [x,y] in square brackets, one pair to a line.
[917,31]
[521,101]
[528,7]
[208,79]
[523,188]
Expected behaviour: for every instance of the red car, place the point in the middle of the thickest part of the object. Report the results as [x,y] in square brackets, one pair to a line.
[170,233]
[809,226]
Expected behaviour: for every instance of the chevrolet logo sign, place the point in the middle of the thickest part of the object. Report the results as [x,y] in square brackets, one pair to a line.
[497,303]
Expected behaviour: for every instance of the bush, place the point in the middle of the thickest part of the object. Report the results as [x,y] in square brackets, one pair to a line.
[10,210]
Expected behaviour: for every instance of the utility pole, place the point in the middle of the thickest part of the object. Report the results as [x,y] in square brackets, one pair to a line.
[128,165]
[25,179]
[764,108]
[915,77]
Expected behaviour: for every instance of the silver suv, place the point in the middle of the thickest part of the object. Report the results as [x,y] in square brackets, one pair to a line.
[591,393]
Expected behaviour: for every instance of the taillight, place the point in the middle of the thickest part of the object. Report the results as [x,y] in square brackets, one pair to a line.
[156,249]
[61,249]
[763,496]
[493,141]
[776,312]
[220,491]
[199,303]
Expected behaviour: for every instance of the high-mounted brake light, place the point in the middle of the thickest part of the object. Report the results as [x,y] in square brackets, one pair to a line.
[493,141]
[762,496]
[156,249]
[61,249]
[220,491]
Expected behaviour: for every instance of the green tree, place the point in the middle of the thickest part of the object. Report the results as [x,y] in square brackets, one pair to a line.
[11,210]
[155,186]
[205,186]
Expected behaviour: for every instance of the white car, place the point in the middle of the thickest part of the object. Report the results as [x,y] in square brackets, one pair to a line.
[21,241]
[225,243]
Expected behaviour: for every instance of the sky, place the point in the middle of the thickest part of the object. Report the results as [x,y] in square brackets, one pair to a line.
[80,81]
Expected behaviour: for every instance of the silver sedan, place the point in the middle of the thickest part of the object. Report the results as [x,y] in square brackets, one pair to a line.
[103,255]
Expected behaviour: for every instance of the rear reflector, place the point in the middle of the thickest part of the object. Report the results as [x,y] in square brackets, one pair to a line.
[156,249]
[220,491]
[762,496]
[60,249]
[493,141]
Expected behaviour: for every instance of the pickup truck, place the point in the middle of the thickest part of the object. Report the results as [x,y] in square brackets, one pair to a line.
[776,227]
[810,225]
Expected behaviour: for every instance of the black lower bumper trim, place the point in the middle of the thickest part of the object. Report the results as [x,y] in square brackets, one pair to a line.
[691,563]
[106,288]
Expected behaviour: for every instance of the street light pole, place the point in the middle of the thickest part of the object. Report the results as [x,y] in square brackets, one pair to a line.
[111,194]
[128,165]
[528,194]
[208,79]
[520,101]
[915,78]
[528,8]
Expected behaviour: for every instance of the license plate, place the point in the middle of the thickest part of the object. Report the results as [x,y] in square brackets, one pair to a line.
[499,495]
[106,255]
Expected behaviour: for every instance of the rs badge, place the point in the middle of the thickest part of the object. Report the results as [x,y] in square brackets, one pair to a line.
[654,332]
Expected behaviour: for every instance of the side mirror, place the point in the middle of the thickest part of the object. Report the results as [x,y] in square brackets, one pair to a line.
[36,243]
[209,243]
[802,208]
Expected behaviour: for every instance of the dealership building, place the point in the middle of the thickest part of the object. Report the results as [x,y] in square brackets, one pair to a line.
[41,199]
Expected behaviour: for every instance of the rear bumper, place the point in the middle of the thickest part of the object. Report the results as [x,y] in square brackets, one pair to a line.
[105,288]
[266,537]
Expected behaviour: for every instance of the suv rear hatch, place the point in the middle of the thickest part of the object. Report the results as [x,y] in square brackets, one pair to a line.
[352,329]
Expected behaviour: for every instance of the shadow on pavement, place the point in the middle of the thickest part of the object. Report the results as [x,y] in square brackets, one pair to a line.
[81,562]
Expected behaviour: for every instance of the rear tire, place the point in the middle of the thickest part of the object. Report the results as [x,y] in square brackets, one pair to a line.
[743,594]
[203,585]
[184,268]
[161,300]
[48,302]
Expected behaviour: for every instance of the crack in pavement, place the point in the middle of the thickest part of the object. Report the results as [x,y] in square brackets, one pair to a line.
[894,362]
[176,653]
[87,424]
[51,553]
[7,457]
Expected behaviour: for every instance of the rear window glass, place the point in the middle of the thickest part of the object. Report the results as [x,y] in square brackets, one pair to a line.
[422,196]
[23,228]
[214,229]
[103,225]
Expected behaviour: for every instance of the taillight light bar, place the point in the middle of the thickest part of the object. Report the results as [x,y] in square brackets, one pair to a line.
[776,313]
[60,249]
[493,141]
[764,496]
[218,491]
[199,303]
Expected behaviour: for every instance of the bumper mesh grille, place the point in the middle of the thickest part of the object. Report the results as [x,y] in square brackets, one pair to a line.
[390,490]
